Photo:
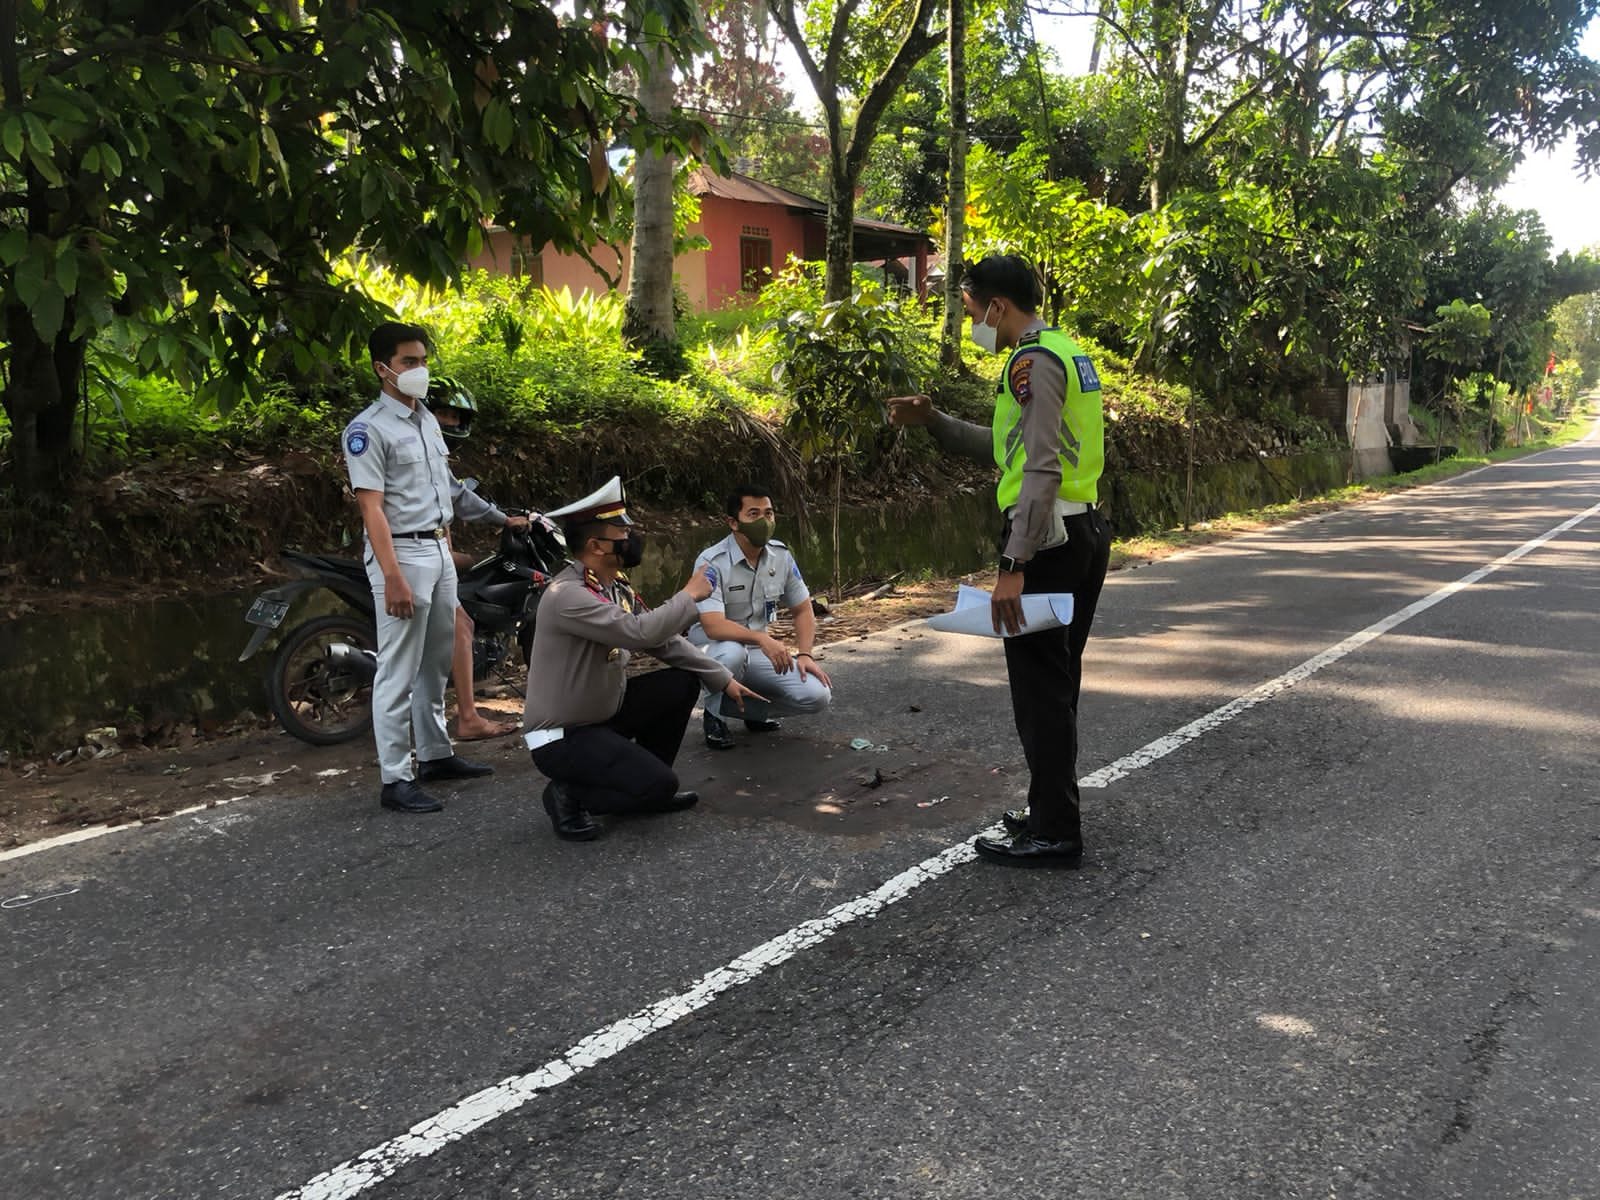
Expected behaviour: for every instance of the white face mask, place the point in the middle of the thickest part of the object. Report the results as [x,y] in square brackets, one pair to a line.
[413,383]
[985,336]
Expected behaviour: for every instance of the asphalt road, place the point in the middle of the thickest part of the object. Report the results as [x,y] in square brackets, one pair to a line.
[1336,941]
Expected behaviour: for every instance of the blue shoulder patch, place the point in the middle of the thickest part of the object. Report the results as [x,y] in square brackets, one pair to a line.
[1088,380]
[355,439]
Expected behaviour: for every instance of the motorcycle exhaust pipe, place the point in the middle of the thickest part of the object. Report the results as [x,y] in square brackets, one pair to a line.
[363,664]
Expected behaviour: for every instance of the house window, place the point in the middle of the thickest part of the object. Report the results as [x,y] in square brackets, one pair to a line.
[755,263]
[526,264]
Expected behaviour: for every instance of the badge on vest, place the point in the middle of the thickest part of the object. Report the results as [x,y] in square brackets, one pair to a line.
[1088,381]
[1022,378]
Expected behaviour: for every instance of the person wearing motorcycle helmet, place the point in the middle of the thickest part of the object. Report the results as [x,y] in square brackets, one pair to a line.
[453,407]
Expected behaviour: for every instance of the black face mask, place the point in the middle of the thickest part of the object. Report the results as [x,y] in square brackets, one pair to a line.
[629,550]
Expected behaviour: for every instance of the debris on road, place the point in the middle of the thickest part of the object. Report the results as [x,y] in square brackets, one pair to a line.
[259,780]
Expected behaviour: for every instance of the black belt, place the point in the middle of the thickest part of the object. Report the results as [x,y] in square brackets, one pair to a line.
[438,534]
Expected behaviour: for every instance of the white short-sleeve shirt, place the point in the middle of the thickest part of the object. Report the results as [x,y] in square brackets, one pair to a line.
[752,595]
[401,452]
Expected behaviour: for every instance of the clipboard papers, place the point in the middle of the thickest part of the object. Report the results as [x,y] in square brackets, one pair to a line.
[1042,610]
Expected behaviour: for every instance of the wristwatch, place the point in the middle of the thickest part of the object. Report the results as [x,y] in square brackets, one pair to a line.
[1010,565]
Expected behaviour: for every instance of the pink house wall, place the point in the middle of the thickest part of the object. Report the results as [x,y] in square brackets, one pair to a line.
[709,278]
[724,222]
[557,270]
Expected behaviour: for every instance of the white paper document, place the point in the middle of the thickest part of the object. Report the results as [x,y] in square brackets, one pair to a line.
[1043,610]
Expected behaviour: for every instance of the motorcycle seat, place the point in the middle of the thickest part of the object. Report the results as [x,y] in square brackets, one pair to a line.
[328,564]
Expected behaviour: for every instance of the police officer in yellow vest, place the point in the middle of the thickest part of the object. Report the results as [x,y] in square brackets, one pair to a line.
[1048,439]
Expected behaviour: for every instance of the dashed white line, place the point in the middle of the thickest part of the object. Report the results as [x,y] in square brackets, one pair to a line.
[430,1136]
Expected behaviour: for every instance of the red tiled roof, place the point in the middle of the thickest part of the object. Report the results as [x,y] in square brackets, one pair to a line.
[734,186]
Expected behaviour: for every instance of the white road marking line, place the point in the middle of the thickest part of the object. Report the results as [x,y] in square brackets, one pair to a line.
[430,1136]
[95,831]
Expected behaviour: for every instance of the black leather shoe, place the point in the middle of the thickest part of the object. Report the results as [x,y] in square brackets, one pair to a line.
[767,726]
[1015,820]
[403,795]
[717,735]
[454,767]
[1025,850]
[679,802]
[567,816]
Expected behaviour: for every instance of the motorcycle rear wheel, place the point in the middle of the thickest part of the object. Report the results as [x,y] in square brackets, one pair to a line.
[314,697]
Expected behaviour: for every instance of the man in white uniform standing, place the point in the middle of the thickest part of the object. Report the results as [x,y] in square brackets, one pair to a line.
[400,473]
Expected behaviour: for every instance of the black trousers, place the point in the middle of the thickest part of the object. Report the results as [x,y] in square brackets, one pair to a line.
[625,764]
[1046,672]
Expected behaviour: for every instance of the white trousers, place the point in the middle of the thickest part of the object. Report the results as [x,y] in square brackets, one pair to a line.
[413,658]
[789,693]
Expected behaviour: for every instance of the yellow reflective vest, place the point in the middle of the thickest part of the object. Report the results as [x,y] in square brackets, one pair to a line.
[1082,448]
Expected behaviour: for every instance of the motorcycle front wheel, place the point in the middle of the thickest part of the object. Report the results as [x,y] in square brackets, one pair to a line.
[314,696]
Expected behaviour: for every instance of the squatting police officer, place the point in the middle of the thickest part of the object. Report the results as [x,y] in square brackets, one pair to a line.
[606,740]
[400,473]
[1048,439]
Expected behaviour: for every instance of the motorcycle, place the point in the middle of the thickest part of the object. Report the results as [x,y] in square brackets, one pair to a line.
[319,683]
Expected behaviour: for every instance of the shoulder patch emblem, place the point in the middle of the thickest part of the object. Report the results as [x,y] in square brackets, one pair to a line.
[1088,380]
[355,439]
[1020,377]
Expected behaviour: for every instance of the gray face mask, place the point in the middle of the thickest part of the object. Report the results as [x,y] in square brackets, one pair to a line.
[985,336]
[759,532]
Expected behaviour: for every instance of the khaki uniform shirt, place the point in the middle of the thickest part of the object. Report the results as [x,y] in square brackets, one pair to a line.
[400,452]
[578,672]
[752,595]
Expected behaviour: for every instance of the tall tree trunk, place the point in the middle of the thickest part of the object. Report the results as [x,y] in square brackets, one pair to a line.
[955,219]
[1171,64]
[840,278]
[42,377]
[846,157]
[649,316]
[40,400]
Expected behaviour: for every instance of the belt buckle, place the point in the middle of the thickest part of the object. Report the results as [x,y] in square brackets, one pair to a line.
[439,533]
